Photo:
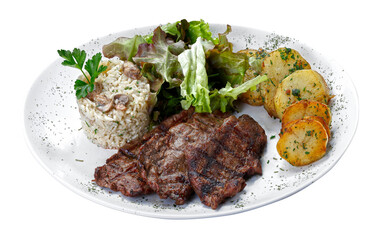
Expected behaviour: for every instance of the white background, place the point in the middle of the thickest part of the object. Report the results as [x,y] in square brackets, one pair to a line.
[34,205]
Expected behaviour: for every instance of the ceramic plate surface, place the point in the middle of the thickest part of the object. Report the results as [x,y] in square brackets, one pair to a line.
[55,137]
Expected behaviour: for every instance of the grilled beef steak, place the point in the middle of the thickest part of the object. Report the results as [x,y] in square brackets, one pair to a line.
[218,167]
[163,156]
[123,171]
[124,174]
[210,153]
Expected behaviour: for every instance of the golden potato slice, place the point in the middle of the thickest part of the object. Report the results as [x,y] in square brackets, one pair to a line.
[303,142]
[304,108]
[317,118]
[322,121]
[301,85]
[277,65]
[253,97]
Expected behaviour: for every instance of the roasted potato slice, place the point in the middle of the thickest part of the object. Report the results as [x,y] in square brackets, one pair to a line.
[301,85]
[317,118]
[304,108]
[303,142]
[277,65]
[253,97]
[322,121]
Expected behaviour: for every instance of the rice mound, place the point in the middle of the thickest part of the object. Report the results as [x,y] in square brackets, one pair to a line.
[114,128]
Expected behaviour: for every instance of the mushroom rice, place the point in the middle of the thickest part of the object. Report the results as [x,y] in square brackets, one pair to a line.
[117,111]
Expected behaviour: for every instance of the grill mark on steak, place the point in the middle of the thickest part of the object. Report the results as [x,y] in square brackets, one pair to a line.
[165,168]
[123,174]
[218,167]
[210,153]
[123,171]
[247,133]
[163,157]
[212,181]
[234,160]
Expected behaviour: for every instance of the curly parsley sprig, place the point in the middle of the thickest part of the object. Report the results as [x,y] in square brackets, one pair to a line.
[76,59]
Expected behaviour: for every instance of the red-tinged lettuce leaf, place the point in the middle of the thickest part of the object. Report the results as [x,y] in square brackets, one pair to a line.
[229,67]
[124,48]
[148,70]
[155,81]
[173,30]
[186,31]
[162,53]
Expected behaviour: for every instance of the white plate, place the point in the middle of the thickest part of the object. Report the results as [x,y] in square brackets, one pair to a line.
[54,136]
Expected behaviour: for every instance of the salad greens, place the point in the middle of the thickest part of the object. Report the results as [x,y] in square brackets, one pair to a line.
[185,65]
[76,59]
[200,29]
[194,87]
[186,31]
[256,63]
[170,28]
[230,66]
[223,99]
[123,47]
[162,54]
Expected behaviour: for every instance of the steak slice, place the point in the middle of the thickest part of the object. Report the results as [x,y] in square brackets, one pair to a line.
[123,171]
[163,156]
[218,166]
[124,174]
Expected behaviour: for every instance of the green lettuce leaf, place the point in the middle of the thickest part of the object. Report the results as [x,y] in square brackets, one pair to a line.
[124,48]
[230,67]
[223,99]
[198,29]
[162,54]
[194,87]
[172,29]
[255,63]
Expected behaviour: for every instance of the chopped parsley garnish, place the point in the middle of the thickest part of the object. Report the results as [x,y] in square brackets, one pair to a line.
[284,54]
[303,145]
[296,92]
[296,66]
[272,82]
